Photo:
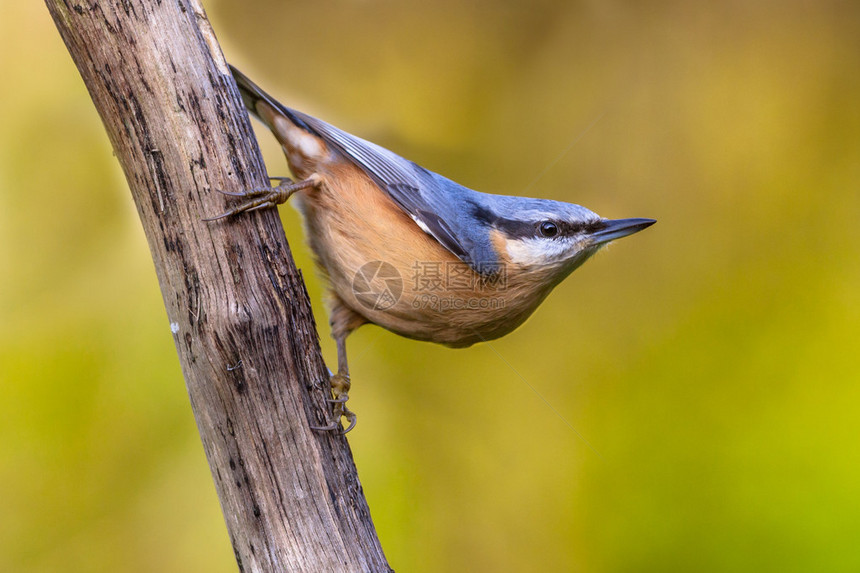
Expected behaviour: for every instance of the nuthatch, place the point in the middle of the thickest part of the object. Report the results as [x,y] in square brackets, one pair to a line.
[412,251]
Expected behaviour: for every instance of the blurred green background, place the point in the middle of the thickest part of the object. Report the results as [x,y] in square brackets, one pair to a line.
[687,401]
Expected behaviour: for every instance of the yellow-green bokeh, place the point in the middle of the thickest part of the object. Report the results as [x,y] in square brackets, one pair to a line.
[687,401]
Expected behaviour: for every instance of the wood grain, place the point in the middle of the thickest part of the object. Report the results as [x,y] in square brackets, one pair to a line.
[236,304]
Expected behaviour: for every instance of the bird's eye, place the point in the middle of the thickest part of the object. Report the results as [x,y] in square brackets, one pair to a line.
[548,229]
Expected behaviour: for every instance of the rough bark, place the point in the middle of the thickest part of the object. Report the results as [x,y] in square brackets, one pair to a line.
[236,304]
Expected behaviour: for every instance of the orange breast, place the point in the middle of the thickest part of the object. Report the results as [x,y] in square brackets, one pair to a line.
[385,268]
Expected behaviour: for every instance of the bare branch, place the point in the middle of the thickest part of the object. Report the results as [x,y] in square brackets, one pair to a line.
[236,304]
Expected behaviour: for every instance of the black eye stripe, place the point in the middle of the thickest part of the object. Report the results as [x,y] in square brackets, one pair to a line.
[524,229]
[567,229]
[514,228]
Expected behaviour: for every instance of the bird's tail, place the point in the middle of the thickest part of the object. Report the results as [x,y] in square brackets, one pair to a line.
[303,146]
[262,105]
[251,92]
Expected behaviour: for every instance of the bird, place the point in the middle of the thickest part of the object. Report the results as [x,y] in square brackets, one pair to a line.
[412,251]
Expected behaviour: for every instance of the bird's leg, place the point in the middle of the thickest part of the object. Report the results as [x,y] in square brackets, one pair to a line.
[266,197]
[340,385]
[343,322]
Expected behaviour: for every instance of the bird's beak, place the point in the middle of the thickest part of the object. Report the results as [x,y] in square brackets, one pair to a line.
[617,228]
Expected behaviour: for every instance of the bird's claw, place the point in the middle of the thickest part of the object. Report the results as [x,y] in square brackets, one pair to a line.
[352,420]
[329,428]
[264,197]
[260,198]
[340,389]
[335,426]
[339,413]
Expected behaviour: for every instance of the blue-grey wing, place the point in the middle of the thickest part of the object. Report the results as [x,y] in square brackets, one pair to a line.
[435,203]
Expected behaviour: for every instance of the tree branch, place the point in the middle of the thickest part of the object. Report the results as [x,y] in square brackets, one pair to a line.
[237,306]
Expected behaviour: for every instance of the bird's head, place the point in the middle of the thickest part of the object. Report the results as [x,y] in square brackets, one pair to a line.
[550,237]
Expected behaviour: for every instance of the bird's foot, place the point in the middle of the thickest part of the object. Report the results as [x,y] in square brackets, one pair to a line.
[265,197]
[340,390]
